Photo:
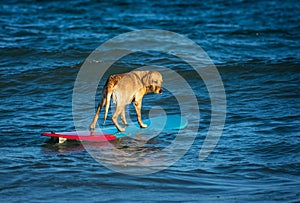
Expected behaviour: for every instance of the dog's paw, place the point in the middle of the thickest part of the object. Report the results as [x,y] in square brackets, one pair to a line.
[92,127]
[125,123]
[121,129]
[143,125]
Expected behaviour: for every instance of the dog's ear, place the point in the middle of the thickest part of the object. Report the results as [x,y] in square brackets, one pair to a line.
[152,78]
[156,78]
[147,78]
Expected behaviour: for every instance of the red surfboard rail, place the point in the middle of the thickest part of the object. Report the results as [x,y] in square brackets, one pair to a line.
[82,136]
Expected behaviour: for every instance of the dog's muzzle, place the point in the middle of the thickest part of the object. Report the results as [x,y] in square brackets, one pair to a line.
[157,89]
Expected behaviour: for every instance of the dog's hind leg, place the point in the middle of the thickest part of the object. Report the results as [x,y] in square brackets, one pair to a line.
[100,105]
[107,101]
[123,117]
[115,117]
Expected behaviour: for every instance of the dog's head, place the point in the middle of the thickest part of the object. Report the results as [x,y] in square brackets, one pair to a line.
[155,80]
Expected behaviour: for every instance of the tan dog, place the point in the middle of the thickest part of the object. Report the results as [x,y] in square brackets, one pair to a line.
[126,88]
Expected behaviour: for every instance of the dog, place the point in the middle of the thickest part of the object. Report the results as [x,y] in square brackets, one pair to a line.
[126,88]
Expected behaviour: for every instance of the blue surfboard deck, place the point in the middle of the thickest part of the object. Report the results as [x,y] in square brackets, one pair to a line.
[161,123]
[107,133]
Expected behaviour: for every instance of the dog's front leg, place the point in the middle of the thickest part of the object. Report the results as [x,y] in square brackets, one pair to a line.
[138,106]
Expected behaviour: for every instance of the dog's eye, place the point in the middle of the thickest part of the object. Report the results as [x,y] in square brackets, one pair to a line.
[155,81]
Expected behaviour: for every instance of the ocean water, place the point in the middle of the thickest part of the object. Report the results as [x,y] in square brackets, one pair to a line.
[254,46]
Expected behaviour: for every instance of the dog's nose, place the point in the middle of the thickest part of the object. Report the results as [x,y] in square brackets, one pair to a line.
[160,91]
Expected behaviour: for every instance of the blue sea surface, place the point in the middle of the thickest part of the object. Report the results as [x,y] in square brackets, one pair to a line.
[256,49]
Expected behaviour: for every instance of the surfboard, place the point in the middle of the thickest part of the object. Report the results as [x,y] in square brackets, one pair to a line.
[109,133]
[82,136]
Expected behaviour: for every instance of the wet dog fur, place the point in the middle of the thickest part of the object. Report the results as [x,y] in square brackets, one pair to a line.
[126,88]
